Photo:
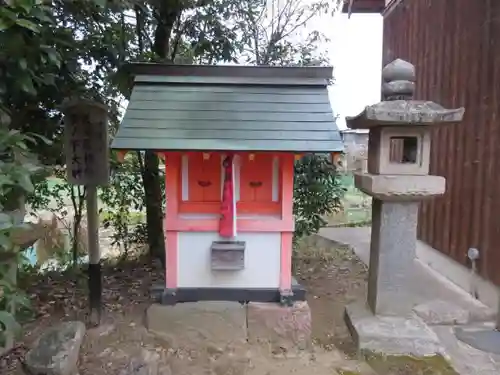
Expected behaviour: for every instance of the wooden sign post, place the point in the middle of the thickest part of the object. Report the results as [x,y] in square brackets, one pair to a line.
[87,163]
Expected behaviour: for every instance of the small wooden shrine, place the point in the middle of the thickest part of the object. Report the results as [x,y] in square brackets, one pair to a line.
[229,136]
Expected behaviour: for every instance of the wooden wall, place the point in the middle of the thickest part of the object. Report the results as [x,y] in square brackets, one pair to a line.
[455,46]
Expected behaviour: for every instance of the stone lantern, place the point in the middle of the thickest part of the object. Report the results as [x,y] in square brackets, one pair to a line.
[398,180]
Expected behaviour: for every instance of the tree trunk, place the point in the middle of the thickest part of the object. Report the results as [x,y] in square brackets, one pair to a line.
[154,213]
[151,181]
[168,13]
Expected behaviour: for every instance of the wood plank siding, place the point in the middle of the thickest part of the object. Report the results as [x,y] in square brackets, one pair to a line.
[455,45]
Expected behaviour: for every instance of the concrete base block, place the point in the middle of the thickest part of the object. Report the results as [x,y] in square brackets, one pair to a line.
[209,324]
[391,335]
[282,328]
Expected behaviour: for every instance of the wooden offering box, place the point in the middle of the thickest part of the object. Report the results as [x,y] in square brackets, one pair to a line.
[229,136]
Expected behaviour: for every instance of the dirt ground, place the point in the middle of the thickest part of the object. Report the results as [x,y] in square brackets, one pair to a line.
[333,278]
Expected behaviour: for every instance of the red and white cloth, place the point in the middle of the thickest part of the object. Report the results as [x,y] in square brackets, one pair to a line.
[227,225]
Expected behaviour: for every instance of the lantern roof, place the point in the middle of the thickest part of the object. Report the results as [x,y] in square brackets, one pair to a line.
[404,113]
[229,108]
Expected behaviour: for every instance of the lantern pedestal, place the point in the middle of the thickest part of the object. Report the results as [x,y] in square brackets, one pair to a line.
[390,335]
[386,323]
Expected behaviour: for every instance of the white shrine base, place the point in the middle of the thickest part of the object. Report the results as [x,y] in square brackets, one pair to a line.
[262,261]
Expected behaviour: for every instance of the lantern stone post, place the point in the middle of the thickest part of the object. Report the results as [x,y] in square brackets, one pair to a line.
[398,180]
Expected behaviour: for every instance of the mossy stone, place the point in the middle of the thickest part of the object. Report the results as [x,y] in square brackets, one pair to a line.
[401,365]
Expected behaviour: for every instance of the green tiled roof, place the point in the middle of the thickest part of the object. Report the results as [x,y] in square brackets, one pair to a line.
[229,108]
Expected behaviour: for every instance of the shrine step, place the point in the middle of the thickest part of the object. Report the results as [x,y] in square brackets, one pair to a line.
[228,324]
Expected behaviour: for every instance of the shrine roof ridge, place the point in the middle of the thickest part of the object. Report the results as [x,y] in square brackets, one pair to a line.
[151,73]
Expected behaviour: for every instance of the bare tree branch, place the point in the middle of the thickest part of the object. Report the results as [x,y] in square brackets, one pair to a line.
[269,38]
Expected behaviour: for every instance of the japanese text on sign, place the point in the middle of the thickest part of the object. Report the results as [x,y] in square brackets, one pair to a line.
[86,145]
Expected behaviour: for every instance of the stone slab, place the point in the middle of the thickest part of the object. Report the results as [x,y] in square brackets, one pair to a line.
[400,187]
[391,335]
[197,324]
[483,339]
[283,328]
[464,358]
[439,312]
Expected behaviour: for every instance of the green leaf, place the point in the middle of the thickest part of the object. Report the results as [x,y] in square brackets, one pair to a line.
[5,180]
[9,322]
[31,168]
[41,138]
[28,25]
[27,85]
[4,118]
[23,63]
[49,79]
[6,285]
[52,55]
[5,12]
[27,5]
[5,24]
[101,3]
[5,221]
[27,138]
[25,183]
[19,300]
[41,15]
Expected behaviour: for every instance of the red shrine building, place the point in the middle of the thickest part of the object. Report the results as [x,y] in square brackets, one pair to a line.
[229,137]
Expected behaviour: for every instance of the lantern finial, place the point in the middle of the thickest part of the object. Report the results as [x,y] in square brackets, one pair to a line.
[398,80]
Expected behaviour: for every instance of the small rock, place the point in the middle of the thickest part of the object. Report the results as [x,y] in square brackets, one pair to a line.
[214,350]
[353,367]
[56,351]
[102,330]
[106,352]
[146,364]
[165,370]
[230,365]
